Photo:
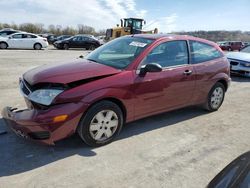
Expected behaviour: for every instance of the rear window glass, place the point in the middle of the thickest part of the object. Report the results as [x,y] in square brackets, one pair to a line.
[201,52]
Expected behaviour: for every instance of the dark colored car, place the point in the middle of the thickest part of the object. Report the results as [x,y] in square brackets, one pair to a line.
[126,79]
[239,63]
[63,37]
[78,41]
[51,38]
[234,175]
[4,33]
[231,46]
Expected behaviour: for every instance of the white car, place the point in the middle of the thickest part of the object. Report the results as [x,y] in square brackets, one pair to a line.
[23,41]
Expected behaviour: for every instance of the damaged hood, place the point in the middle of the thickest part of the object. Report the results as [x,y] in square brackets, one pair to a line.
[242,56]
[68,72]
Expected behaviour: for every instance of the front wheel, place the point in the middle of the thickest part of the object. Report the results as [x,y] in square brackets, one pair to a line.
[215,97]
[101,124]
[65,46]
[3,45]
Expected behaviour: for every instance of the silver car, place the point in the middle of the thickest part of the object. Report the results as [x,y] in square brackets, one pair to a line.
[240,63]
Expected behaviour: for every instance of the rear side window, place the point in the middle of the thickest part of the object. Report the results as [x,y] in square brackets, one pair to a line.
[201,52]
[172,53]
[29,36]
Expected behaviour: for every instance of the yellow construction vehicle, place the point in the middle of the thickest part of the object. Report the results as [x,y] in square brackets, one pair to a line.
[128,26]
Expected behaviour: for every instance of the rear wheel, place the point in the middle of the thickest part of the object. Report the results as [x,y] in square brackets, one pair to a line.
[37,46]
[3,45]
[215,97]
[65,46]
[101,124]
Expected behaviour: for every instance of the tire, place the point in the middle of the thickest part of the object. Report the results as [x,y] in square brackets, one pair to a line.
[37,46]
[101,124]
[3,45]
[65,46]
[229,49]
[91,47]
[215,97]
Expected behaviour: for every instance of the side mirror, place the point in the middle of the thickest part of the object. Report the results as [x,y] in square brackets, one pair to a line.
[151,67]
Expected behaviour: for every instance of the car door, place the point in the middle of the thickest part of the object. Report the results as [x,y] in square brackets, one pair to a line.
[172,87]
[85,42]
[28,41]
[14,41]
[74,42]
[205,60]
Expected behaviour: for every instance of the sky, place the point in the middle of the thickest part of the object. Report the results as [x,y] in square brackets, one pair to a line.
[166,15]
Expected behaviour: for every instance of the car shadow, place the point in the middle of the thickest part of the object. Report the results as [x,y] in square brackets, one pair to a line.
[18,155]
[237,78]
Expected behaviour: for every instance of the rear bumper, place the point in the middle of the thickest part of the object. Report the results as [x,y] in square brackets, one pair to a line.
[45,45]
[38,125]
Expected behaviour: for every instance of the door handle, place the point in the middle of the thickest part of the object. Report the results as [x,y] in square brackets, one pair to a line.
[187,72]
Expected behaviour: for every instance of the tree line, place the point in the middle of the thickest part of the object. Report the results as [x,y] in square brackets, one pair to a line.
[39,28]
[219,35]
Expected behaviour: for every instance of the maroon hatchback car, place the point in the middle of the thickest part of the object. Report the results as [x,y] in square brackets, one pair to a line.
[126,79]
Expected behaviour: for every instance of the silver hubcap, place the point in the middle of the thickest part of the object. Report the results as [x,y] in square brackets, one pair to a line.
[103,125]
[37,47]
[217,97]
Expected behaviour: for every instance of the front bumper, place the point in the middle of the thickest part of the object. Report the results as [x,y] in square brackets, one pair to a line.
[58,45]
[239,68]
[38,125]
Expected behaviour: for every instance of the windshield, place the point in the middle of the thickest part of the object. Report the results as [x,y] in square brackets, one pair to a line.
[120,52]
[246,49]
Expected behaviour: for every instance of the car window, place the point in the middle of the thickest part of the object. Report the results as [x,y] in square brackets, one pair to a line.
[17,36]
[86,39]
[246,49]
[168,54]
[77,38]
[28,36]
[119,53]
[201,52]
[3,34]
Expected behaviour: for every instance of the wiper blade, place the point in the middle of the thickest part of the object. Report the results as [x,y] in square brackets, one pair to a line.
[93,60]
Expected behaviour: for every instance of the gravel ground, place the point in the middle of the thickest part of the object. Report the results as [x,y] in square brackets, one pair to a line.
[183,148]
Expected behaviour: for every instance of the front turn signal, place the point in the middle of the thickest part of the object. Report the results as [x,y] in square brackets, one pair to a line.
[60,118]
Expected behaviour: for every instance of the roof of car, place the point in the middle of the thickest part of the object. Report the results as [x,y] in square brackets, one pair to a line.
[173,37]
[158,36]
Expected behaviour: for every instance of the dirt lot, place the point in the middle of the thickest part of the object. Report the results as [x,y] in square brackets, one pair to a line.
[184,148]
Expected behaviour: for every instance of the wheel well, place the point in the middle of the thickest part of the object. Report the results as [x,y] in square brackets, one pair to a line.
[37,43]
[5,43]
[224,84]
[117,102]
